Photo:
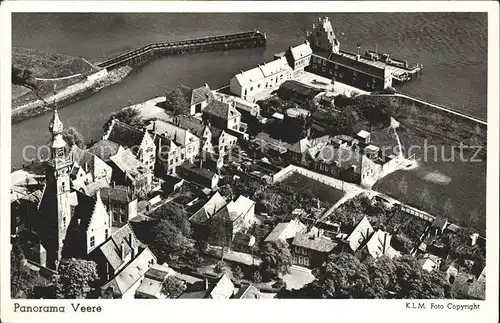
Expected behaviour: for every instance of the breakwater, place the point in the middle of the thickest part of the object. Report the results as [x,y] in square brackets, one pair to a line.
[241,40]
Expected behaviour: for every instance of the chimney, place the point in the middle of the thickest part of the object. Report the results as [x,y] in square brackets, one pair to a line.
[206,85]
[122,250]
[201,162]
[206,284]
[358,56]
[385,243]
[319,203]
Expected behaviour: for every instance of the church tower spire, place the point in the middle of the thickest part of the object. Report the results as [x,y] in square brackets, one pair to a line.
[55,204]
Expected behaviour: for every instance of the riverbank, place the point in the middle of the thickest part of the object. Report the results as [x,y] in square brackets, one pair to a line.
[69,94]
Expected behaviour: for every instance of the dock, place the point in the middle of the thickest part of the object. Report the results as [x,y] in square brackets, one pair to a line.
[400,70]
[249,39]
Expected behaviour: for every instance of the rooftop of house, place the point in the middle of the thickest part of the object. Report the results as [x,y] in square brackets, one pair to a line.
[112,248]
[172,131]
[306,90]
[104,149]
[379,245]
[221,110]
[213,205]
[286,230]
[347,61]
[314,242]
[128,164]
[192,124]
[262,71]
[247,292]
[223,289]
[84,208]
[183,96]
[124,135]
[117,193]
[85,159]
[131,273]
[300,51]
[153,280]
[360,234]
[199,171]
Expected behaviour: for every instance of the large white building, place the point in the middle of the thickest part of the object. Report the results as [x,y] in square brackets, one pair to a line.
[272,74]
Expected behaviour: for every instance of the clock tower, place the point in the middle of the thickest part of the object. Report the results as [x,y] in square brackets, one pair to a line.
[55,204]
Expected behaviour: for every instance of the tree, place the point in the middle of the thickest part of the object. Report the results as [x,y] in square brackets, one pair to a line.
[176,102]
[220,232]
[73,137]
[175,215]
[130,116]
[276,258]
[201,245]
[237,272]
[343,122]
[168,243]
[172,287]
[257,277]
[345,276]
[75,278]
[220,267]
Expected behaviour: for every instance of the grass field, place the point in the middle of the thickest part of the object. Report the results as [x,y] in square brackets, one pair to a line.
[303,184]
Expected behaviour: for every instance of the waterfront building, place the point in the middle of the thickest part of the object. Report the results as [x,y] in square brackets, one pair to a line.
[349,68]
[189,101]
[139,142]
[246,108]
[222,115]
[270,75]
[299,92]
[129,171]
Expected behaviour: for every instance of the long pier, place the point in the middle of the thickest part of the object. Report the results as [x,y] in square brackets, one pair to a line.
[249,39]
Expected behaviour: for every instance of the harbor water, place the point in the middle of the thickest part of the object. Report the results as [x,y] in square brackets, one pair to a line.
[451,47]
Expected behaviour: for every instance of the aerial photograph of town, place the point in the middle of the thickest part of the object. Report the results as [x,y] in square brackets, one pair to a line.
[248,155]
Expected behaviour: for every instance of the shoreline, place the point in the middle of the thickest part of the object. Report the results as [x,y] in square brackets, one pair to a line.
[68,95]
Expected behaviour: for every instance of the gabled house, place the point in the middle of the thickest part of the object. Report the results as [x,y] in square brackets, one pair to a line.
[139,142]
[189,101]
[176,145]
[429,262]
[243,242]
[196,127]
[286,231]
[116,252]
[120,203]
[299,57]
[89,226]
[129,171]
[151,284]
[104,149]
[222,288]
[221,141]
[200,218]
[87,168]
[358,237]
[247,292]
[310,249]
[379,245]
[125,283]
[222,115]
[237,216]
[198,175]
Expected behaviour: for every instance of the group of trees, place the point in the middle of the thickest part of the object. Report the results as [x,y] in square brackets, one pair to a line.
[176,102]
[130,116]
[345,276]
[23,282]
[72,137]
[276,259]
[460,249]
[76,278]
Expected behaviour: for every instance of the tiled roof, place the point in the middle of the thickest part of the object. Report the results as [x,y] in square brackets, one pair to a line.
[375,246]
[125,135]
[286,230]
[83,158]
[193,169]
[313,242]
[349,63]
[234,209]
[247,292]
[218,108]
[223,289]
[201,94]
[360,234]
[133,272]
[127,163]
[192,124]
[111,249]
[214,204]
[300,88]
[104,149]
[119,193]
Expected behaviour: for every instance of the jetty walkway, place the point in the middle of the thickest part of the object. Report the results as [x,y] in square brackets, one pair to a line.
[249,39]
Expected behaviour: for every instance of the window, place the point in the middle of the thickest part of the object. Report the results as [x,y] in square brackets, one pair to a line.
[251,89]
[306,261]
[115,217]
[64,221]
[106,234]
[323,69]
[92,242]
[335,66]
[324,62]
[297,249]
[258,85]
[330,71]
[294,259]
[123,218]
[314,65]
[301,260]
